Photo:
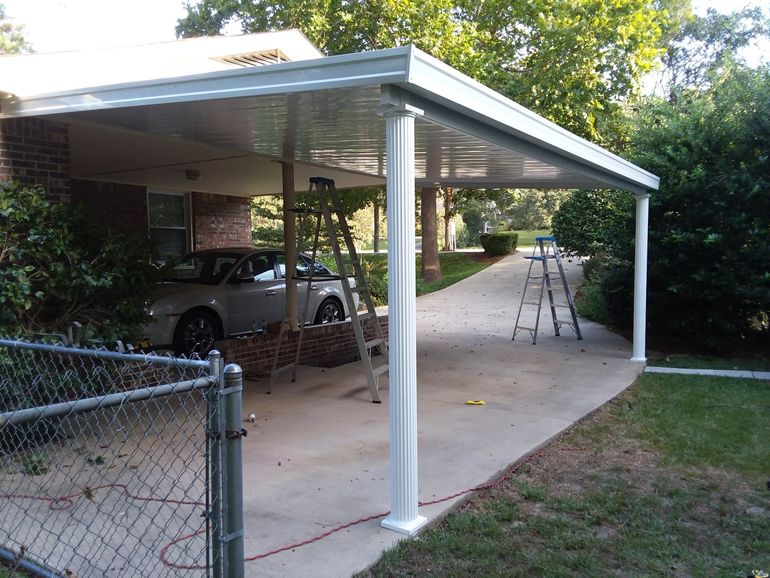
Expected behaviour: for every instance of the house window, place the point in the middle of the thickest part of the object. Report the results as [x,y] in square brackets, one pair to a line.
[168,224]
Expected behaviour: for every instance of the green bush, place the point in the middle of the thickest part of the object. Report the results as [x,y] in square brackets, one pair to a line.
[58,266]
[499,242]
[589,222]
[709,227]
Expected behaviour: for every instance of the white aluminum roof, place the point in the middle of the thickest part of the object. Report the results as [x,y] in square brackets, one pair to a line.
[324,115]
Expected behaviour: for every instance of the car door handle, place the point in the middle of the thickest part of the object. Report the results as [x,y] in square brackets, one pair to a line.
[271,293]
[314,287]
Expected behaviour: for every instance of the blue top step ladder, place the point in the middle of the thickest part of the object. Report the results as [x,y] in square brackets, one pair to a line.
[544,251]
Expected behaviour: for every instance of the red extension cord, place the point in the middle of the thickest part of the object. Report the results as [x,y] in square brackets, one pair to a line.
[68,501]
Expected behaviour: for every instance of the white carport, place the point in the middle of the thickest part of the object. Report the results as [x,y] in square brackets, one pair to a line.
[397,115]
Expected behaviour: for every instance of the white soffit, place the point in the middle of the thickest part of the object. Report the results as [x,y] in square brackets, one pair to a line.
[325,113]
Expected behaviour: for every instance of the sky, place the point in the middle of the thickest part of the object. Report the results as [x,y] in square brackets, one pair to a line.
[62,25]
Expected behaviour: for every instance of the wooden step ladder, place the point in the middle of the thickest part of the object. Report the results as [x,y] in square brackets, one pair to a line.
[330,213]
[544,250]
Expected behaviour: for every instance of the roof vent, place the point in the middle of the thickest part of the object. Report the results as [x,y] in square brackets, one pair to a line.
[259,58]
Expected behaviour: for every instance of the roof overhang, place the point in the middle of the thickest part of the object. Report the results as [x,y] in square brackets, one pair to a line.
[324,115]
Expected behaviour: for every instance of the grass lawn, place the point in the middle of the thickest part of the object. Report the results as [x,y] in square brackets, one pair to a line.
[669,479]
[527,238]
[701,362]
[454,267]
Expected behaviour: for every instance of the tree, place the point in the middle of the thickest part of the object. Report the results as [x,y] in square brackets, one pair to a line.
[572,61]
[11,36]
[703,45]
[430,269]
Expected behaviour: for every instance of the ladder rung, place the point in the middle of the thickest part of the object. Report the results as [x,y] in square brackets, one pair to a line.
[367,315]
[378,371]
[374,343]
[360,289]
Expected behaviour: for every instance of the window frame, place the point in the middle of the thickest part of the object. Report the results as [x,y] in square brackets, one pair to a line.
[187,211]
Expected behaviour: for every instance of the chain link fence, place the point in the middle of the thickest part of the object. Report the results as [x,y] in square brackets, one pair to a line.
[113,464]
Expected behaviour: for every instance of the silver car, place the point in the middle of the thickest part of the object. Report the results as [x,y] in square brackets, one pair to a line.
[220,293]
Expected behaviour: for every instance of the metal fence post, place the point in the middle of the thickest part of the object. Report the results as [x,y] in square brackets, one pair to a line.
[215,463]
[232,472]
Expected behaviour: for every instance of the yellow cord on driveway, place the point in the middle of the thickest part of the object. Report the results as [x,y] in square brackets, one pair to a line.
[475,402]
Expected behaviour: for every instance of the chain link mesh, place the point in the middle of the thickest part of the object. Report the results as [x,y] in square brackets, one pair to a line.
[104,476]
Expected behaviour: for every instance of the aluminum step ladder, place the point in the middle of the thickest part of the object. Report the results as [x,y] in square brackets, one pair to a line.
[546,249]
[331,214]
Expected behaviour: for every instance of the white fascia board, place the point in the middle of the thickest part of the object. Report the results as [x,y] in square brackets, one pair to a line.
[348,70]
[441,83]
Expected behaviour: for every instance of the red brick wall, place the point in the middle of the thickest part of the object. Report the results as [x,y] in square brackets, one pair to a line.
[220,221]
[34,151]
[322,345]
[119,205]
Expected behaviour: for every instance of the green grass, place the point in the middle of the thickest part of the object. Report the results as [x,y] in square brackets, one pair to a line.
[454,267]
[713,421]
[527,238]
[669,479]
[703,362]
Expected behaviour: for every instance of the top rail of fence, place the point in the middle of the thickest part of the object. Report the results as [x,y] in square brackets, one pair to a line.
[103,354]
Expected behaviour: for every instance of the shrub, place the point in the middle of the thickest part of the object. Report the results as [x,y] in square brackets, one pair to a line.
[499,242]
[57,266]
[709,227]
[589,222]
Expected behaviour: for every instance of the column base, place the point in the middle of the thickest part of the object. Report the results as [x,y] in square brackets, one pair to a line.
[639,359]
[409,528]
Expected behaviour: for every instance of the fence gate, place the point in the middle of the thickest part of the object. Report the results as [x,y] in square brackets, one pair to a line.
[116,464]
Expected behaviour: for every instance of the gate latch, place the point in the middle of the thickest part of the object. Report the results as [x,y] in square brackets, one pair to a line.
[235,434]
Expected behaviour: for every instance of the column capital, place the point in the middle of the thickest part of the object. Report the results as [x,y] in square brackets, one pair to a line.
[387,110]
[642,196]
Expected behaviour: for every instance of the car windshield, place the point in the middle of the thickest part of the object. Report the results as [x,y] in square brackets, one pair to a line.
[208,268]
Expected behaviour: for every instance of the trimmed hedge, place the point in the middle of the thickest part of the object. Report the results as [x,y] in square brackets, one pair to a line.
[499,242]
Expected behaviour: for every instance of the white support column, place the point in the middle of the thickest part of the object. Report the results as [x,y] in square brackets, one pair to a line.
[402,307]
[640,278]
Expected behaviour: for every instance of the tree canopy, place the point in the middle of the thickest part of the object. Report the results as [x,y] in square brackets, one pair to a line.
[703,45]
[11,35]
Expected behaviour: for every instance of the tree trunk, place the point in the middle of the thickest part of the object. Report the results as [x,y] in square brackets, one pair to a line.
[431,266]
[448,214]
[376,239]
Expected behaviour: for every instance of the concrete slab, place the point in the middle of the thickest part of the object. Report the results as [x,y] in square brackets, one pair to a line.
[317,456]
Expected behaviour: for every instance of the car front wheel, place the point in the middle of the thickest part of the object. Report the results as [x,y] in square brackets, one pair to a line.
[195,333]
[330,311]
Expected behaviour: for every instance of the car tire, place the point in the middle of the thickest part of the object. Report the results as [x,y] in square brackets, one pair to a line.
[195,333]
[330,311]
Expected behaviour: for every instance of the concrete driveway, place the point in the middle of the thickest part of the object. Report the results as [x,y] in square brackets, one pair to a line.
[317,456]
